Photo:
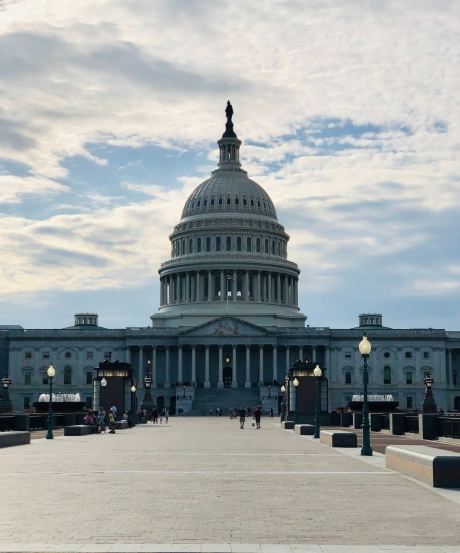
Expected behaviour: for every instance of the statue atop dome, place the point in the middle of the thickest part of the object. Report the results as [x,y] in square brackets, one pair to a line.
[229,110]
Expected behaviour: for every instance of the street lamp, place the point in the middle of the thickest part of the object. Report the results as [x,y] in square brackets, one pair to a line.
[5,403]
[51,372]
[283,403]
[295,383]
[429,404]
[184,391]
[318,373]
[269,389]
[364,350]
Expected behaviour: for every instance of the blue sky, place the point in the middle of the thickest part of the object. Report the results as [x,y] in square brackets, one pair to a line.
[349,116]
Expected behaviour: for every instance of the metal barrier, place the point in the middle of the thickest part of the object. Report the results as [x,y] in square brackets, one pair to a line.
[385,422]
[38,421]
[449,427]
[411,424]
[7,423]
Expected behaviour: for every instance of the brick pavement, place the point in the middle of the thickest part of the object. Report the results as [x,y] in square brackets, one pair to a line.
[202,484]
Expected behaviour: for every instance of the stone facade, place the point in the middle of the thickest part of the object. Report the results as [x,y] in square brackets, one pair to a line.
[229,317]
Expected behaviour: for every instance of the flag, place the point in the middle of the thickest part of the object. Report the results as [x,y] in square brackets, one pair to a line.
[229,277]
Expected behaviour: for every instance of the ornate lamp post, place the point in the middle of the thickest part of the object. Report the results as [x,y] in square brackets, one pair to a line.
[6,406]
[133,399]
[429,404]
[295,383]
[364,350]
[318,373]
[183,387]
[269,390]
[283,403]
[147,402]
[51,372]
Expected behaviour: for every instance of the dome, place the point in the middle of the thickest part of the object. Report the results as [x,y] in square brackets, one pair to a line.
[229,191]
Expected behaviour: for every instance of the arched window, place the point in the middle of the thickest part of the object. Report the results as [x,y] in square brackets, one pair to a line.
[205,203]
[249,244]
[208,244]
[265,205]
[229,244]
[245,202]
[273,247]
[237,201]
[258,245]
[198,245]
[252,202]
[266,246]
[190,246]
[218,244]
[229,201]
[183,247]
[238,244]
[213,201]
[221,201]
[258,203]
[198,203]
[387,375]
[193,205]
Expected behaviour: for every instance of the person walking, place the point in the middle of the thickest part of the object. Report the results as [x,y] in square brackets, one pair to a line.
[166,416]
[111,423]
[271,412]
[242,417]
[102,416]
[257,415]
[113,410]
[154,415]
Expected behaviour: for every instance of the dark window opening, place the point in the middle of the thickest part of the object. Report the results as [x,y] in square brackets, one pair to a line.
[266,246]
[208,244]
[386,375]
[89,378]
[245,202]
[213,201]
[190,246]
[218,244]
[229,201]
[258,245]
[229,244]
[205,203]
[249,245]
[238,244]
[67,375]
[252,203]
[409,377]
[221,201]
[348,377]
[198,245]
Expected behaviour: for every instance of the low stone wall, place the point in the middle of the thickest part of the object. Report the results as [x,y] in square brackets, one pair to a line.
[338,439]
[12,438]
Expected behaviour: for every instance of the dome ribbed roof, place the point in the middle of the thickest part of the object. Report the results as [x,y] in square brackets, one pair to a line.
[229,191]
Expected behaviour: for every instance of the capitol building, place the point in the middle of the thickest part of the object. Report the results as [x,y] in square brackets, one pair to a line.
[228,326]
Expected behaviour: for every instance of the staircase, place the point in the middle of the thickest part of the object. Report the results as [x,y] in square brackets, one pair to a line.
[226,398]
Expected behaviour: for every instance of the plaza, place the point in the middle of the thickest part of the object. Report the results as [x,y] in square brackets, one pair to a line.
[202,484]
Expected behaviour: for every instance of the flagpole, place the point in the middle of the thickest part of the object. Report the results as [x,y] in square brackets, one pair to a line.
[227,292]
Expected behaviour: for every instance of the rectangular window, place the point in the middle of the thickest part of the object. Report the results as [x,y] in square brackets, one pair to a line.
[67,375]
[218,244]
[408,355]
[258,245]
[409,377]
[28,355]
[198,245]
[348,355]
[45,379]
[409,402]
[89,378]
[89,402]
[348,377]
[386,375]
[208,244]
[46,355]
[27,378]
[107,355]
[26,402]
[229,244]
[89,355]
[238,244]
[426,355]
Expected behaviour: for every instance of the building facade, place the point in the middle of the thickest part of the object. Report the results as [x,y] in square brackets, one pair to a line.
[229,318]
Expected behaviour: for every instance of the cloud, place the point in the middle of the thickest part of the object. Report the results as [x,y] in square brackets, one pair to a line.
[13,189]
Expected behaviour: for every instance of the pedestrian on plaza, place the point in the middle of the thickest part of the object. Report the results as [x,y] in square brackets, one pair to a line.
[257,414]
[166,416]
[271,412]
[242,417]
[111,423]
[113,410]
[154,418]
[126,418]
[95,423]
[101,417]
[210,412]
[161,417]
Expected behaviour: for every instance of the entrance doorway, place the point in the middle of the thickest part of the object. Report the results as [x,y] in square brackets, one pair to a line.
[160,404]
[227,377]
[457,403]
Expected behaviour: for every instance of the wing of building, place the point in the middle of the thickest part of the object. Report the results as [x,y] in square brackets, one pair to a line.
[228,325]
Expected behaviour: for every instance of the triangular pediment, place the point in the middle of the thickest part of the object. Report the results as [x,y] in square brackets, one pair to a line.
[227,326]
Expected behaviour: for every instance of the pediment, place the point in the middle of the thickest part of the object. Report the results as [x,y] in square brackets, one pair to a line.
[227,326]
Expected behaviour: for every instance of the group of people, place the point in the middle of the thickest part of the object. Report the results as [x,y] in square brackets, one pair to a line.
[256,417]
[99,420]
[164,413]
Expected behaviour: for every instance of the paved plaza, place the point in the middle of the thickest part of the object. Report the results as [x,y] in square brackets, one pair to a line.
[202,484]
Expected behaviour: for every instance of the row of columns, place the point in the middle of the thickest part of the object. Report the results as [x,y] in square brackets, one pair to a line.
[271,287]
[153,364]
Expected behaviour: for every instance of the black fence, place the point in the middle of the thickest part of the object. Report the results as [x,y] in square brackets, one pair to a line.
[7,423]
[385,422]
[411,424]
[449,427]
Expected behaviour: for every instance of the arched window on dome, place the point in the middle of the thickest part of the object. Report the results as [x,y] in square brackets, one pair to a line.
[229,201]
[183,247]
[265,205]
[258,245]
[205,202]
[193,205]
[258,203]
[178,247]
[213,201]
[249,244]
[229,243]
[198,203]
[238,244]
[208,244]
[237,201]
[266,246]
[252,202]
[221,201]
[198,245]
[218,244]
[245,202]
[273,247]
[190,246]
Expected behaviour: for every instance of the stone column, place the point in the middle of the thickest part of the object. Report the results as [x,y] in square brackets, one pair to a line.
[161,292]
[187,287]
[278,288]
[223,287]
[128,354]
[328,360]
[449,366]
[275,363]
[259,294]
[288,362]
[209,285]
[313,354]
[179,365]
[193,365]
[261,364]
[140,383]
[167,376]
[207,384]
[171,287]
[220,384]
[178,284]
[301,353]
[234,380]
[198,286]
[286,290]
[269,286]
[246,286]
[154,366]
[247,384]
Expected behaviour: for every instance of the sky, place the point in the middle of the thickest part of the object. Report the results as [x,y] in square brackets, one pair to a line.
[349,116]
